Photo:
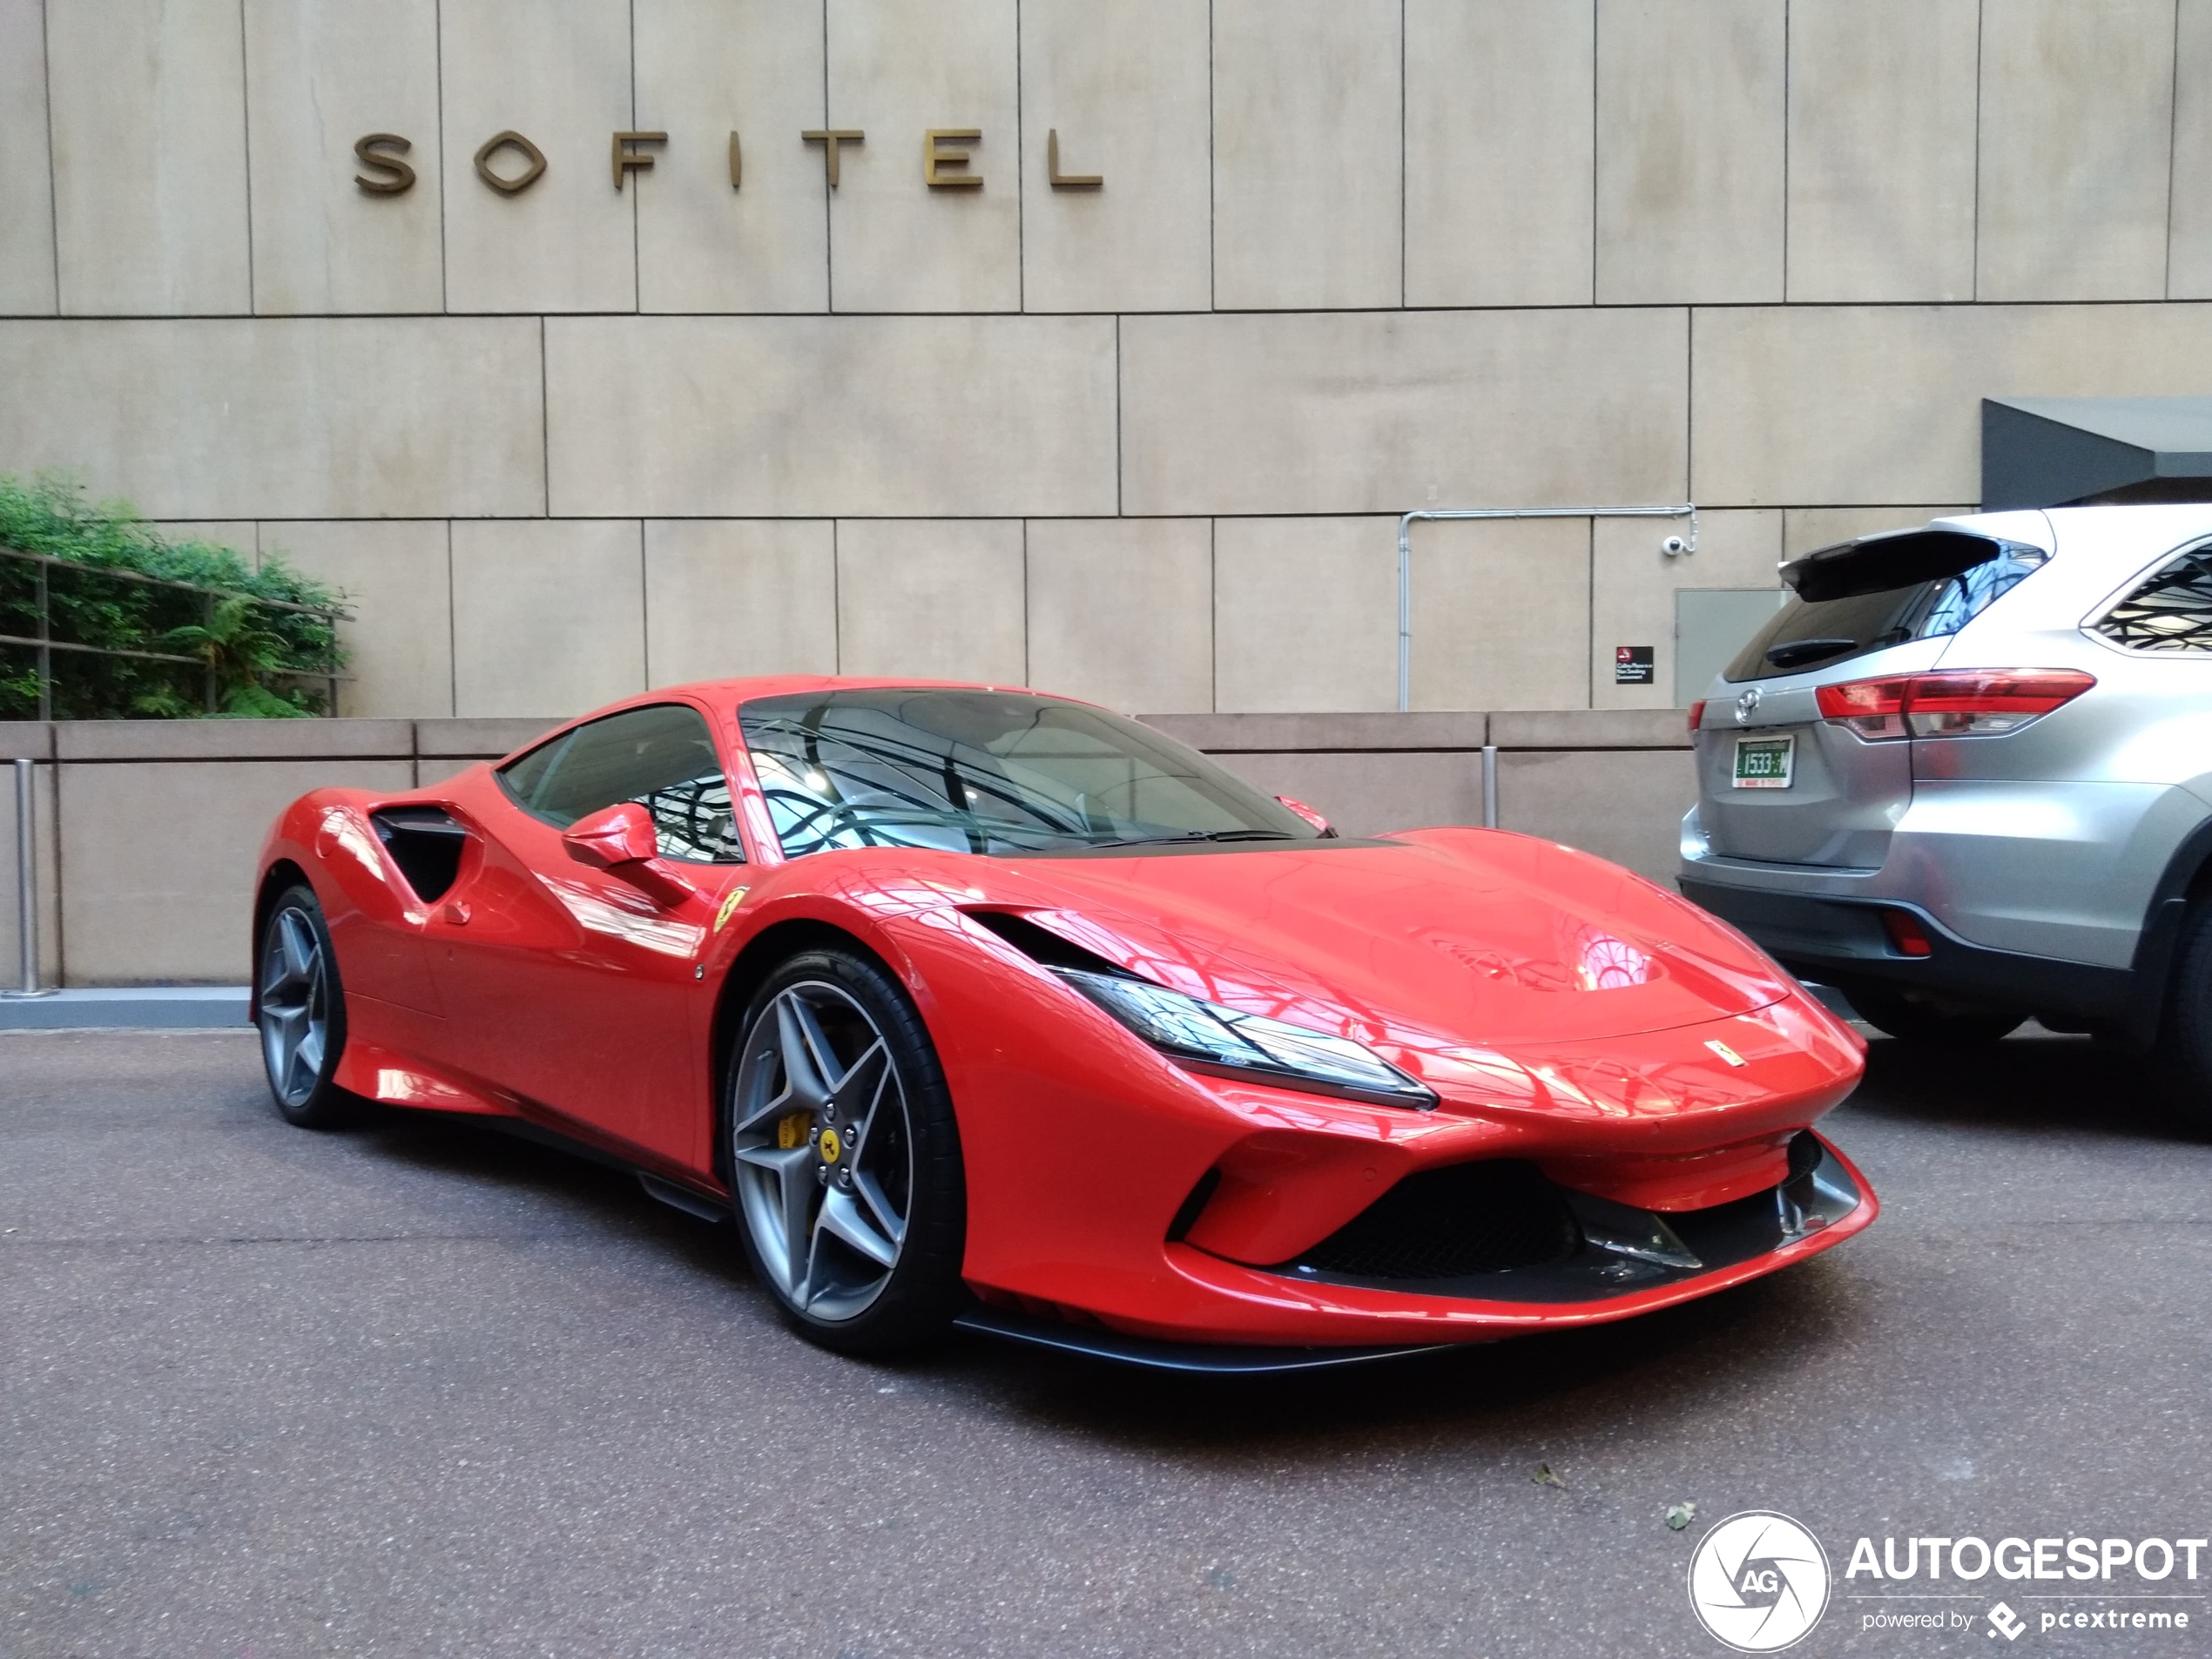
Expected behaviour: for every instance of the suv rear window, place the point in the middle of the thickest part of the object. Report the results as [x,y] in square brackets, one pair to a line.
[1882,590]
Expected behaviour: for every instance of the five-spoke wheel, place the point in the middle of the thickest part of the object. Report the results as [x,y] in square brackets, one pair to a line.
[301,1010]
[843,1156]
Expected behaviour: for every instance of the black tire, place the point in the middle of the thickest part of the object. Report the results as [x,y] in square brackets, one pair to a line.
[301,1013]
[906,1157]
[2183,1058]
[1908,1021]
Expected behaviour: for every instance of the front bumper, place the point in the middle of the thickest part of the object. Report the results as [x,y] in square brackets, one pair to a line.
[1295,1317]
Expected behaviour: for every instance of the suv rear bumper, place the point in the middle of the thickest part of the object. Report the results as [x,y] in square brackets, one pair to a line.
[1837,941]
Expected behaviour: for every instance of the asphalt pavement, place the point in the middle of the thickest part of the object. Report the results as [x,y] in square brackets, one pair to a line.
[421,1388]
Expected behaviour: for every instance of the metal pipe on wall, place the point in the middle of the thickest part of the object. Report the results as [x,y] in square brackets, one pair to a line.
[1673,547]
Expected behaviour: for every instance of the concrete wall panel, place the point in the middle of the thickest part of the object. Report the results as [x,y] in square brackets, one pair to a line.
[1882,100]
[724,598]
[178,907]
[290,418]
[2076,135]
[936,598]
[558,72]
[148,104]
[706,68]
[1689,150]
[791,417]
[1384,413]
[318,78]
[1306,614]
[1502,614]
[1309,145]
[1368,794]
[1622,805]
[2189,252]
[1869,405]
[1125,86]
[26,168]
[1498,152]
[397,577]
[1121,611]
[1632,587]
[897,70]
[549,617]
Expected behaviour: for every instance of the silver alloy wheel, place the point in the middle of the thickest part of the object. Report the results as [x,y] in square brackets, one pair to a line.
[822,1150]
[295,1006]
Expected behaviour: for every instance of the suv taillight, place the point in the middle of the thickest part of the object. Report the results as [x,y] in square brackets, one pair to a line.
[1951,703]
[1696,716]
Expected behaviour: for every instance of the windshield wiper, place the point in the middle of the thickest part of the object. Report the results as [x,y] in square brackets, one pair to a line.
[1204,835]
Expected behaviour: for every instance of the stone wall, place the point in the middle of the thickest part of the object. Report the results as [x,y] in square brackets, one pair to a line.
[150,829]
[1144,443]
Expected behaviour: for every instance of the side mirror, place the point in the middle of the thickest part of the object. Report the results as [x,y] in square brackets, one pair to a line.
[1307,813]
[621,840]
[612,837]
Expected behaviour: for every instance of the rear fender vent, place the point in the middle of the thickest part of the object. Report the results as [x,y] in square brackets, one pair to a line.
[1489,1217]
[426,843]
[1043,946]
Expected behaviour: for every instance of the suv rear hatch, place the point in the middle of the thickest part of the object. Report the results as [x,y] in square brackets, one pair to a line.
[1778,785]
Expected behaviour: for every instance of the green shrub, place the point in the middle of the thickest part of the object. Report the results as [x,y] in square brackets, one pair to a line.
[263,660]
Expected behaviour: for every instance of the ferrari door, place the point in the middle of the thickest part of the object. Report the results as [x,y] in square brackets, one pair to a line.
[571,986]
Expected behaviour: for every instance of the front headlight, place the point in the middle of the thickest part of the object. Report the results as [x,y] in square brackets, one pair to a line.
[1220,1039]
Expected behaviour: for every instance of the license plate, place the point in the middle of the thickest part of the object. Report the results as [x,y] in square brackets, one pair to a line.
[1764,762]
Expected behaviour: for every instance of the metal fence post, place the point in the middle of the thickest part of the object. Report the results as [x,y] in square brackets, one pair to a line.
[1489,785]
[27,877]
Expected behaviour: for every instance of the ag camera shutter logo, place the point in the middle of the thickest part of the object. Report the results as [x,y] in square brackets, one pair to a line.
[1758,1583]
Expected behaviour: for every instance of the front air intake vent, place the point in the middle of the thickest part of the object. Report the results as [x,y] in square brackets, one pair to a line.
[1489,1217]
[1041,944]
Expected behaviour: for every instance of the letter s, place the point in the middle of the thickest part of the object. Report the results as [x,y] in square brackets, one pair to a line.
[2082,1554]
[371,151]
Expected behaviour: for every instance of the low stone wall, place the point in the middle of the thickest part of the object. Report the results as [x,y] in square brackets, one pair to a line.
[148,829]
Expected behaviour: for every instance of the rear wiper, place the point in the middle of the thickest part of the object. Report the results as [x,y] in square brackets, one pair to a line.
[1792,653]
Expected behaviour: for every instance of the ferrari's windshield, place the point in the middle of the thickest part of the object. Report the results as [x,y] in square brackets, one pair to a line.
[988,771]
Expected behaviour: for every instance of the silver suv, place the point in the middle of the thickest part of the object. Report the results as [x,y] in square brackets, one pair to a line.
[1965,776]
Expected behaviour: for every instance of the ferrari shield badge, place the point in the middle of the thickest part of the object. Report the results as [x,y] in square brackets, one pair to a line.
[730,903]
[1725,1052]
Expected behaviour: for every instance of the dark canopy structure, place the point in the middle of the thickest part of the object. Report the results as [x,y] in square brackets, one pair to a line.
[2079,451]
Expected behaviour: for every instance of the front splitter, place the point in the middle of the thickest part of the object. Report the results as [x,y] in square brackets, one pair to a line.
[1215,1359]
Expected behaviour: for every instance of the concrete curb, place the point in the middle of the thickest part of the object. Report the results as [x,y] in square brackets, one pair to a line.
[159,1007]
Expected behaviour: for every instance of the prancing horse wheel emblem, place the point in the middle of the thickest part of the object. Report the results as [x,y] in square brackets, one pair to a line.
[832,1150]
[1747,705]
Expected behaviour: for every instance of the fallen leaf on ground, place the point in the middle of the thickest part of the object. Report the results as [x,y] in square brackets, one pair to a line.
[1544,1477]
[1681,1514]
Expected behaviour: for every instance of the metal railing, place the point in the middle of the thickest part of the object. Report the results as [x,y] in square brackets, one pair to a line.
[45,645]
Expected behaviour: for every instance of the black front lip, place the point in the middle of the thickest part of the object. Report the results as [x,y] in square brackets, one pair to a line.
[1724,1236]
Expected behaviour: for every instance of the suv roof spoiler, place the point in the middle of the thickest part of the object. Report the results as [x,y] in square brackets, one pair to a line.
[1893,559]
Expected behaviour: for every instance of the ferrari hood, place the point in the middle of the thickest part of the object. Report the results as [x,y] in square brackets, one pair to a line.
[1452,936]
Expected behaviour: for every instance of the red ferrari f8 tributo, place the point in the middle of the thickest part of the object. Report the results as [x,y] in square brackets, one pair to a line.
[978,1006]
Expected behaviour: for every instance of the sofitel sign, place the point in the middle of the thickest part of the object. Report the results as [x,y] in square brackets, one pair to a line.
[946,163]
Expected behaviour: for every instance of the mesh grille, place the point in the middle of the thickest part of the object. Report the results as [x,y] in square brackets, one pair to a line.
[1483,1218]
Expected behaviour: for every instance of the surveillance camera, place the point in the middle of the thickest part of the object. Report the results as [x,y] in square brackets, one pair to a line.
[1674,546]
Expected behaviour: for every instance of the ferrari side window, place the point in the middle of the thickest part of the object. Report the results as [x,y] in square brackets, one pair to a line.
[662,757]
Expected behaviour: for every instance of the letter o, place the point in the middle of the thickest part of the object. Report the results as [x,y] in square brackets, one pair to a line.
[510,139]
[2164,1548]
[1958,1546]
